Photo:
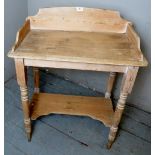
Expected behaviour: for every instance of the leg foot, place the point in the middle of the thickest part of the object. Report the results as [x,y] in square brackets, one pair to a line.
[29,137]
[27,123]
[109,144]
[112,136]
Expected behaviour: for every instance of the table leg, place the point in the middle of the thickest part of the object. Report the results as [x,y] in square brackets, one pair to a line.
[126,87]
[36,80]
[21,79]
[111,81]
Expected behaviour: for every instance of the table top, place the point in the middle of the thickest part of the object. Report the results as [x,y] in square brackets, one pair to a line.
[86,47]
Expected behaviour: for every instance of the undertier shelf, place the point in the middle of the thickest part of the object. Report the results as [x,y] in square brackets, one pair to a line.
[98,108]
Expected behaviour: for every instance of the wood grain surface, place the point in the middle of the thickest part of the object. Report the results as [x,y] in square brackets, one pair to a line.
[75,34]
[86,47]
[78,19]
[95,107]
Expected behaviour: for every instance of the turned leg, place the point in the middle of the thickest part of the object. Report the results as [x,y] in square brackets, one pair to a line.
[117,117]
[126,87]
[21,79]
[111,81]
[36,80]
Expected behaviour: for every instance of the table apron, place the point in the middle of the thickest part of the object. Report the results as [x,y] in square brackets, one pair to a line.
[75,65]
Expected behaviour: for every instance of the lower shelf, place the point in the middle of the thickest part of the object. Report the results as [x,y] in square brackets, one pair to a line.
[97,108]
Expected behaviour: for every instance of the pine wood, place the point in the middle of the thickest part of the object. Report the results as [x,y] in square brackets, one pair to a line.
[78,19]
[36,80]
[110,84]
[106,48]
[95,107]
[21,79]
[133,36]
[126,87]
[75,65]
[77,38]
[21,34]
[113,44]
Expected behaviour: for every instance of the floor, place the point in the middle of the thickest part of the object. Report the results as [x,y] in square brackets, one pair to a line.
[71,135]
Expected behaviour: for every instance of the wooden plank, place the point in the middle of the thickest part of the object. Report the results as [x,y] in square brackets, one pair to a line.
[136,128]
[74,65]
[133,36]
[106,48]
[138,115]
[12,149]
[95,107]
[78,19]
[135,40]
[93,130]
[21,35]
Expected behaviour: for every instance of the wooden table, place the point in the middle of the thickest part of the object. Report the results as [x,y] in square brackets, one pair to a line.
[82,39]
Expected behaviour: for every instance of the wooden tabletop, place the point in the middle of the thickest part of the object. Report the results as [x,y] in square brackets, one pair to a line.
[86,47]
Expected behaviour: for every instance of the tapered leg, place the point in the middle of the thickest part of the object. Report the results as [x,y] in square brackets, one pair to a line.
[111,81]
[21,78]
[36,80]
[126,87]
